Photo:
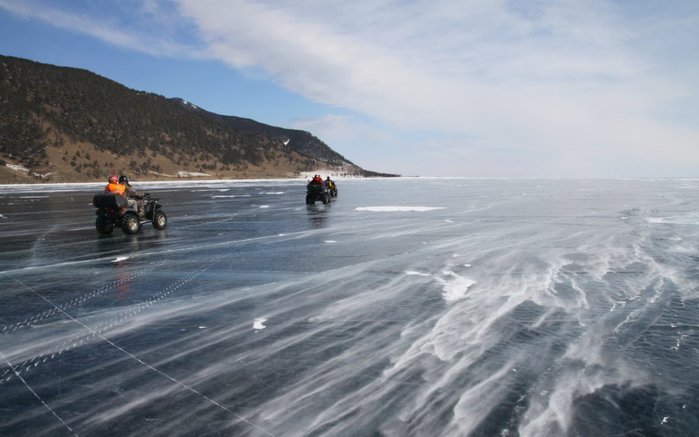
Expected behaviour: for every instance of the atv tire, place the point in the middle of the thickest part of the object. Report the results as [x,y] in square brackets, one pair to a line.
[159,220]
[103,225]
[130,223]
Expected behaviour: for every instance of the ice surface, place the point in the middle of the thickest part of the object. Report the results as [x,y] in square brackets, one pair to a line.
[398,208]
[445,307]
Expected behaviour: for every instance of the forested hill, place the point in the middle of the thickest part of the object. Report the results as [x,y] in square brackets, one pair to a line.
[66,124]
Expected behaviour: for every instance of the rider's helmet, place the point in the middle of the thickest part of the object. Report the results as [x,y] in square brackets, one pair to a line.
[112,179]
[123,179]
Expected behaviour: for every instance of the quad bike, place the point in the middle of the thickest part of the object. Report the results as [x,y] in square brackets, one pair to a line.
[316,192]
[332,190]
[113,210]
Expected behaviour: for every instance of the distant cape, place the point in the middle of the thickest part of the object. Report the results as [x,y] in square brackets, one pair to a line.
[62,124]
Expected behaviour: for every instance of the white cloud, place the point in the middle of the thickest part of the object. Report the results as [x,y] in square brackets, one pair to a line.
[558,79]
[131,35]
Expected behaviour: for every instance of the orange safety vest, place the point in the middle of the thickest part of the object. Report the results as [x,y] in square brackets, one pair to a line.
[115,188]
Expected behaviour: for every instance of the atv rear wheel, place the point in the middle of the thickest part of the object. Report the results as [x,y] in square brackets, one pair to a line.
[159,220]
[103,225]
[130,223]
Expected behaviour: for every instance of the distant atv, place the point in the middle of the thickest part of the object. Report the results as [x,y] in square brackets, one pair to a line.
[113,210]
[317,192]
[332,190]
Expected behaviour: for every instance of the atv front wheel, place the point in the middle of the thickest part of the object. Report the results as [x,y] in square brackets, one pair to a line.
[159,220]
[130,223]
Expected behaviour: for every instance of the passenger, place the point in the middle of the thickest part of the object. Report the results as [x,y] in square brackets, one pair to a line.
[134,198]
[317,180]
[114,186]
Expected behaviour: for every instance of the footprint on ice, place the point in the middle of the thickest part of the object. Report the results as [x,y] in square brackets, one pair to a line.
[259,324]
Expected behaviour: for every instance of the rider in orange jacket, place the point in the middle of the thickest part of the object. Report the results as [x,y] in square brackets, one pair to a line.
[114,186]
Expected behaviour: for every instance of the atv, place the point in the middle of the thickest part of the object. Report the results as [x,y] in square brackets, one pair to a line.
[113,210]
[332,191]
[316,192]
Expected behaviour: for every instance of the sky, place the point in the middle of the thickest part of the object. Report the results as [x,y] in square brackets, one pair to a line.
[473,88]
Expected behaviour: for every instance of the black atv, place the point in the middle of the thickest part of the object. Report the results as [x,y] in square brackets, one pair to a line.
[113,210]
[317,192]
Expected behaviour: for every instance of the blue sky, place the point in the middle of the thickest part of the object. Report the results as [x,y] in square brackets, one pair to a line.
[569,88]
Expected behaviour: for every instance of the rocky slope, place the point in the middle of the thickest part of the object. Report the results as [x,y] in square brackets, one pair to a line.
[64,124]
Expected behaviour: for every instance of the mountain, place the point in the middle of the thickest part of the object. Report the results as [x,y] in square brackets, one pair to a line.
[65,124]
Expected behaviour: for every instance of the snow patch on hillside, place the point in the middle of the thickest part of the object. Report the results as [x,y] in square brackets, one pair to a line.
[191,174]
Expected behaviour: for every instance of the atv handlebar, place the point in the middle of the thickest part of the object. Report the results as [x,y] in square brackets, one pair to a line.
[146,196]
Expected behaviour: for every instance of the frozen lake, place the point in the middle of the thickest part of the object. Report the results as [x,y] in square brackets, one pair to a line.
[426,307]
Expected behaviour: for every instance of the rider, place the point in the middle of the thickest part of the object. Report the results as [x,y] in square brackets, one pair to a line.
[114,186]
[317,181]
[135,198]
[329,183]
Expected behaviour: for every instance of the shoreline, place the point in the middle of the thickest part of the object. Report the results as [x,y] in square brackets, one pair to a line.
[207,178]
[78,186]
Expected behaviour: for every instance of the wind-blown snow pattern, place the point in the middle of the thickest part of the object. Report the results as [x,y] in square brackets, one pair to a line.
[405,307]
